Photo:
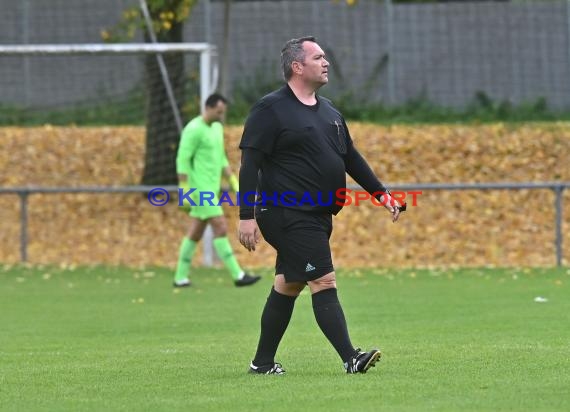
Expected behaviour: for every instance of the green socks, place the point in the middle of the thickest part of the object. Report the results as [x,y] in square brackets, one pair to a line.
[187,249]
[226,254]
[223,249]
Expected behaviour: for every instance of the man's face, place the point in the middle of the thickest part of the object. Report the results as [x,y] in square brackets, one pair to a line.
[315,66]
[216,113]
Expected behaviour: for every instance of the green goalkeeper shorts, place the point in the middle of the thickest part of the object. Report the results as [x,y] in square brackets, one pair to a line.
[205,209]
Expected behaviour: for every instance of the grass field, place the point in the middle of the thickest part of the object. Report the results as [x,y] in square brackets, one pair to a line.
[75,339]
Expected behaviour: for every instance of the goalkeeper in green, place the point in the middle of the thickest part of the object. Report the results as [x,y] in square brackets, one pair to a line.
[200,162]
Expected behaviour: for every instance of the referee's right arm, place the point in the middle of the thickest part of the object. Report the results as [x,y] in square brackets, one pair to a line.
[250,164]
[260,131]
[248,232]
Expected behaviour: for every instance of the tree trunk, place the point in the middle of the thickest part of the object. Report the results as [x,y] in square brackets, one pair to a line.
[162,134]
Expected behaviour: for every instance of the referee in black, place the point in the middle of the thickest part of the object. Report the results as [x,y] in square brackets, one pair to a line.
[296,151]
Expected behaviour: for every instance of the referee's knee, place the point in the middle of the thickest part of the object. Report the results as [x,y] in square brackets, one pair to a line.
[327,281]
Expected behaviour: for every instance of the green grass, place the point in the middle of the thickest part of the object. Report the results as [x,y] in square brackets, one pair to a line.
[115,339]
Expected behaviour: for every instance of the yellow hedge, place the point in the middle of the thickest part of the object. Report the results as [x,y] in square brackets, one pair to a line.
[446,228]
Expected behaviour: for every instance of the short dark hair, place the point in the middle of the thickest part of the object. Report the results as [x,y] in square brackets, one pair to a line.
[293,52]
[214,98]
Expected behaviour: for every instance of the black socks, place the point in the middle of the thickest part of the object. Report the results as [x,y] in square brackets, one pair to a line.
[277,314]
[331,320]
[274,320]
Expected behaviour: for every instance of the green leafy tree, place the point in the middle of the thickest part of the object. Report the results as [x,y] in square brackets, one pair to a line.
[162,135]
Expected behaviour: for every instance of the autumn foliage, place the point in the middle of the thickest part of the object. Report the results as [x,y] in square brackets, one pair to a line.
[446,228]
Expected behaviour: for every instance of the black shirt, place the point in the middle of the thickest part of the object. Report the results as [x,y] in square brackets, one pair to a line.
[299,154]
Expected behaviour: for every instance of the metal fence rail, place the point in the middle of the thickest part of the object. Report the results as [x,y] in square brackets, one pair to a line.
[557,187]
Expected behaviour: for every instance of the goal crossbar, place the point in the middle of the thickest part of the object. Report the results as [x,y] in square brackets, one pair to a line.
[208,70]
[111,48]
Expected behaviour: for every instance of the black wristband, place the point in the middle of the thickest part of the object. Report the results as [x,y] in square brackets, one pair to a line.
[246,214]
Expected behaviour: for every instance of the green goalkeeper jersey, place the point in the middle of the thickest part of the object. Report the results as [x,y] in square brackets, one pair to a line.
[201,155]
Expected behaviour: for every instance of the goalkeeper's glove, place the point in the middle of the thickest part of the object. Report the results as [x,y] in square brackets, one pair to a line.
[185,207]
[234,183]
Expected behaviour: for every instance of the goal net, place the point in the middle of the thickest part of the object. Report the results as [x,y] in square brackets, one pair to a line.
[138,97]
[158,86]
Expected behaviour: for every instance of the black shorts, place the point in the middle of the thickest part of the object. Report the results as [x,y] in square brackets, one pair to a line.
[301,240]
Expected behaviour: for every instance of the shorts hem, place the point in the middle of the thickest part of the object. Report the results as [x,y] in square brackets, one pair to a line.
[205,216]
[308,276]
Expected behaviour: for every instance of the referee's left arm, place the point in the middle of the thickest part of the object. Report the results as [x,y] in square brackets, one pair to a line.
[357,167]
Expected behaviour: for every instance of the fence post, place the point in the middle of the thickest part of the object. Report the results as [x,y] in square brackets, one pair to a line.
[558,237]
[23,226]
[208,247]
